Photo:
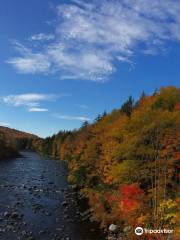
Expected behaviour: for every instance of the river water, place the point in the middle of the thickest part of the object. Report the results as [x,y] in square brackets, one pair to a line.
[36,203]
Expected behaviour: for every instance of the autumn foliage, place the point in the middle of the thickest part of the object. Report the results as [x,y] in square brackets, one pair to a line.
[127,162]
[11,141]
[131,195]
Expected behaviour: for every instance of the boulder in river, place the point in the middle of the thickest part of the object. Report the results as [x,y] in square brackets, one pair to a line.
[16,215]
[6,214]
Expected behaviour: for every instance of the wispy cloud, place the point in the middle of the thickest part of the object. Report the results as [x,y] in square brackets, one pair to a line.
[37,109]
[42,37]
[31,101]
[29,62]
[72,118]
[28,99]
[93,38]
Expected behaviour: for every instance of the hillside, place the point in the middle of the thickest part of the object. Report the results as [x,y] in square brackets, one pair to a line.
[11,141]
[127,162]
[14,133]
[16,137]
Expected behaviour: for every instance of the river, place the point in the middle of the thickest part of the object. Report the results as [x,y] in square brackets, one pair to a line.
[36,203]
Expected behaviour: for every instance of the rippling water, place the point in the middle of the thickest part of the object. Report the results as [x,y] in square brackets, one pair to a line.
[35,202]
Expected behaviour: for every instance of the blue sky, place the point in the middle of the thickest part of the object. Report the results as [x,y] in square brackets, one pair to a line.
[63,62]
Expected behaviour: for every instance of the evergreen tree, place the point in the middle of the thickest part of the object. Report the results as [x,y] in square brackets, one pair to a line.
[127,107]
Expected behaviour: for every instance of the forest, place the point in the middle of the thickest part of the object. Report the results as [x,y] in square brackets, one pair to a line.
[12,141]
[127,162]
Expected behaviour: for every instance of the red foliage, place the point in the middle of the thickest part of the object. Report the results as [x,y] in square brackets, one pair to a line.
[131,195]
[177,107]
[128,197]
[130,191]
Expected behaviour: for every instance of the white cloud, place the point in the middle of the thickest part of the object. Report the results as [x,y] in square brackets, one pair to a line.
[91,38]
[37,109]
[31,101]
[5,124]
[42,37]
[28,99]
[29,62]
[72,118]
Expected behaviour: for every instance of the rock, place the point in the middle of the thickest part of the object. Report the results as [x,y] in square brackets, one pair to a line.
[127,229]
[86,213]
[113,228]
[64,204]
[25,223]
[36,207]
[2,229]
[170,237]
[9,228]
[6,214]
[24,233]
[111,238]
[66,216]
[31,238]
[42,232]
[47,213]
[16,215]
